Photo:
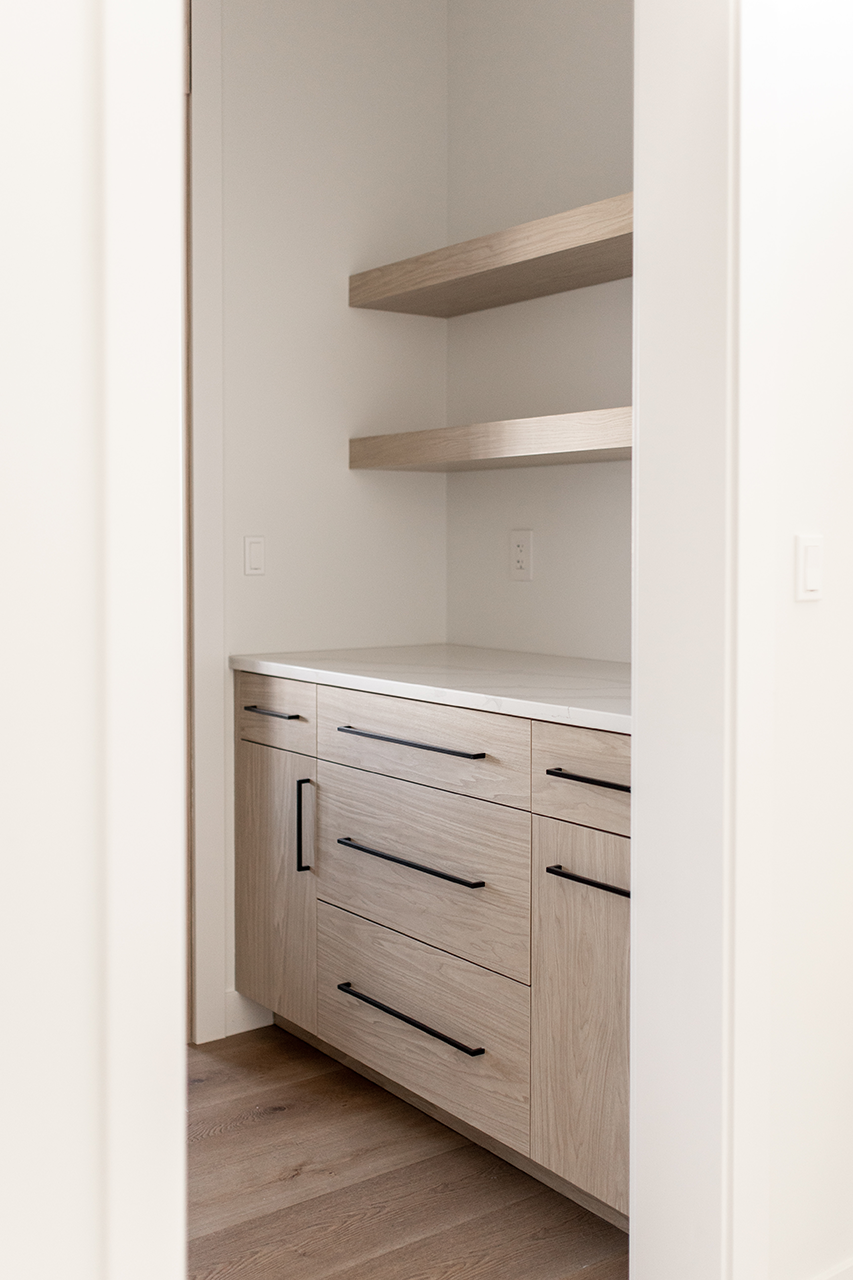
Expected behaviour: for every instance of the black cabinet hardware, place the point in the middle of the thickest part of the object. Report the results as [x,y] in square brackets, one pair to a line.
[300,865]
[278,715]
[595,884]
[416,866]
[348,990]
[595,782]
[404,742]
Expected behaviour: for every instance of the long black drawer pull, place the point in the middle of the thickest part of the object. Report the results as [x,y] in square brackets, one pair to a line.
[279,715]
[416,866]
[404,742]
[348,990]
[595,782]
[300,865]
[595,884]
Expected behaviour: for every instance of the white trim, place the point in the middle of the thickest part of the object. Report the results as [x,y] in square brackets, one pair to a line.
[211,678]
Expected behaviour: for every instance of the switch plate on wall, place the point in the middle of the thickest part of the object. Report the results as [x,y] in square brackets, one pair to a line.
[809,566]
[253,555]
[521,555]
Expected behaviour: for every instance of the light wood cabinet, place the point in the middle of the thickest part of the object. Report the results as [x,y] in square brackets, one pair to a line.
[448,869]
[582,776]
[276,908]
[276,713]
[419,928]
[451,1031]
[472,752]
[579,1034]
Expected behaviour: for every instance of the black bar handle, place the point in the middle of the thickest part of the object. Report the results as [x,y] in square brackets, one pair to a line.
[279,715]
[300,865]
[404,742]
[416,866]
[595,782]
[595,884]
[349,990]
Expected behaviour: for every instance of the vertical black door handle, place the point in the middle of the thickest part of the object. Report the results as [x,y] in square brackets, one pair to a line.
[300,865]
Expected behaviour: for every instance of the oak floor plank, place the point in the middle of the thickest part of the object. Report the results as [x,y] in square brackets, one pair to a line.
[319,1237]
[545,1236]
[225,1069]
[288,1144]
[302,1170]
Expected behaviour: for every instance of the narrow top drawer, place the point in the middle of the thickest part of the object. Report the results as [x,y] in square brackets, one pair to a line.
[582,775]
[276,712]
[473,752]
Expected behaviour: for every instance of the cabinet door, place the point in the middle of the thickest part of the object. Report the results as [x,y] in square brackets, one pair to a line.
[579,1032]
[276,909]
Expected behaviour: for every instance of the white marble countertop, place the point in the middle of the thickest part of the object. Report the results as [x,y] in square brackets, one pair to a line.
[579,691]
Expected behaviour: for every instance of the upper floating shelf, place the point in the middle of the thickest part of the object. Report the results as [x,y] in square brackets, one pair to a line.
[589,245]
[599,435]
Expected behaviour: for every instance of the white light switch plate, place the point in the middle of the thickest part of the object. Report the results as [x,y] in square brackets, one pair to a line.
[808,566]
[253,555]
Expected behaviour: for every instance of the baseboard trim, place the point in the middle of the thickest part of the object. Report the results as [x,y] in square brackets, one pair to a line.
[524,1163]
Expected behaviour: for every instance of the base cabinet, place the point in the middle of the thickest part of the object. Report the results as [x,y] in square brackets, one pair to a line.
[398,918]
[579,1031]
[276,906]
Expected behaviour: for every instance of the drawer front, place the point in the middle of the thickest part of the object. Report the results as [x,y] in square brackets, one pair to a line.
[486,918]
[598,792]
[471,1006]
[472,752]
[276,712]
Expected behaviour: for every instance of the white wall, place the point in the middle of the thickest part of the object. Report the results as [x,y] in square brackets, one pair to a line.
[321,150]
[540,106]
[742,1058]
[92,914]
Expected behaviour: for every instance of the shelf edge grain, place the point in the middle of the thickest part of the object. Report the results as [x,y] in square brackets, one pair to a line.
[597,435]
[589,245]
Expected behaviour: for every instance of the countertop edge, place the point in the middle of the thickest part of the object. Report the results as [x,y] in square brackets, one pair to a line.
[582,717]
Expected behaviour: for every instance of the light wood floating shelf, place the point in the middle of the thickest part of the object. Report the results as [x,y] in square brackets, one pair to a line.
[599,435]
[589,245]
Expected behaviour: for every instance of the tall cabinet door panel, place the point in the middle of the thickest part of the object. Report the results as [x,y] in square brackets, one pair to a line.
[579,1033]
[276,908]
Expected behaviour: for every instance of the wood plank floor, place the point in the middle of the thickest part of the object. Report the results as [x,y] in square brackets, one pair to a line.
[302,1170]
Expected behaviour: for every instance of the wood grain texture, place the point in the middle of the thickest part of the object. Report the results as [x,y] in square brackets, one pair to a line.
[503,776]
[579,1025]
[598,435]
[469,1004]
[453,1210]
[273,693]
[455,834]
[538,1171]
[592,754]
[598,855]
[275,905]
[584,246]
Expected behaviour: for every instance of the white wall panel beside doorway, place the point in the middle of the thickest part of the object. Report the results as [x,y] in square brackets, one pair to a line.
[319,149]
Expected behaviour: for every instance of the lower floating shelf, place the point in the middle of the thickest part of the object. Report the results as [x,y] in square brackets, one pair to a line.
[598,435]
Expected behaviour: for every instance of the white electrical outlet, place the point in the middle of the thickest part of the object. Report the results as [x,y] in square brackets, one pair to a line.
[521,555]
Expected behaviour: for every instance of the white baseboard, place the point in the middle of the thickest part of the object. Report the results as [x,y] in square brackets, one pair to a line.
[244,1015]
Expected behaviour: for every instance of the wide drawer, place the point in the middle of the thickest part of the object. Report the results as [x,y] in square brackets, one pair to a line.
[276,712]
[582,775]
[483,1078]
[469,890]
[472,752]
